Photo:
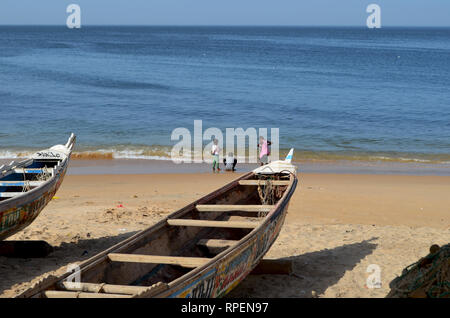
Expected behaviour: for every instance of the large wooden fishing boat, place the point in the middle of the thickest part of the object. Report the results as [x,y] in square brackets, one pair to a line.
[203,250]
[27,186]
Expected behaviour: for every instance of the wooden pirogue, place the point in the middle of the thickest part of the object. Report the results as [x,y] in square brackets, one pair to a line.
[27,186]
[203,250]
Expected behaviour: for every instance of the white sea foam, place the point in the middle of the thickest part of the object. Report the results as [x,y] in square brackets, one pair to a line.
[164,153]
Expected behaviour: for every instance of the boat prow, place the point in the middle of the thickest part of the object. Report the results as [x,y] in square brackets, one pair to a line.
[279,166]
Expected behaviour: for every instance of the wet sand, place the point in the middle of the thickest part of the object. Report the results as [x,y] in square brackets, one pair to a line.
[142,166]
[337,225]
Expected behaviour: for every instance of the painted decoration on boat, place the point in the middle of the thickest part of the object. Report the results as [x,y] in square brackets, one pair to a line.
[24,214]
[228,273]
[48,155]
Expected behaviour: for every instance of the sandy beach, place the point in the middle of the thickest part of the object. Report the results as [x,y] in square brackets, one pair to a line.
[337,225]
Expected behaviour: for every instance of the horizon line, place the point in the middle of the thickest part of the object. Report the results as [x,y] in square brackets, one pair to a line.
[238,25]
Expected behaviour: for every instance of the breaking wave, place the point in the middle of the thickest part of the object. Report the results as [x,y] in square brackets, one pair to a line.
[158,152]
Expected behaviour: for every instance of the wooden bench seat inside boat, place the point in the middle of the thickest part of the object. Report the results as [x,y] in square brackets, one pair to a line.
[234,207]
[10,194]
[220,224]
[264,182]
[189,262]
[68,294]
[20,183]
[89,290]
[31,170]
[102,288]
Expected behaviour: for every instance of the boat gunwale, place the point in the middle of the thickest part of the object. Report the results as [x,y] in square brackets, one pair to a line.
[21,164]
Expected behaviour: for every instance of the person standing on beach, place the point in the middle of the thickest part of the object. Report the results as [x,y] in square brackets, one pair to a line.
[264,150]
[215,149]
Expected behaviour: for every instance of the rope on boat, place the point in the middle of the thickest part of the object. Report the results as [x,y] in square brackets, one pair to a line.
[427,278]
[266,193]
[44,175]
[100,288]
[26,185]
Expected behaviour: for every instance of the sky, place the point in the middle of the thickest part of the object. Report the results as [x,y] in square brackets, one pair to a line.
[227,12]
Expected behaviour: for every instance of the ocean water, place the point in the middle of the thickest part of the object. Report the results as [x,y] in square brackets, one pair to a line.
[334,93]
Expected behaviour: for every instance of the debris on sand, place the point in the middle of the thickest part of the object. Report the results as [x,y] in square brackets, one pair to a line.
[427,278]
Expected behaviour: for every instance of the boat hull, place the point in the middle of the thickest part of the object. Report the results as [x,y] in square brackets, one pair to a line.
[22,212]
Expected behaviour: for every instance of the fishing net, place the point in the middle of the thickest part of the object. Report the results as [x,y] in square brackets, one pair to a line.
[268,192]
[427,278]
[44,175]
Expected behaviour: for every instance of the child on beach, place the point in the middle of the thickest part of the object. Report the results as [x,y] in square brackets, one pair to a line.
[264,150]
[215,149]
[230,162]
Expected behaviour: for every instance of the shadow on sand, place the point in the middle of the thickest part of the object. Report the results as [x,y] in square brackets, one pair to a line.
[314,271]
[19,270]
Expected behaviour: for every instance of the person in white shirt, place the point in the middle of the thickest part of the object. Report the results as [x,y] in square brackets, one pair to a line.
[230,162]
[215,150]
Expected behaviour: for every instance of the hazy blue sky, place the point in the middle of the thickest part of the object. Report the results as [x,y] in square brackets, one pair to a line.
[227,12]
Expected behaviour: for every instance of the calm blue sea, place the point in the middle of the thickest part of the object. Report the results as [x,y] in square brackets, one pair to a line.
[334,93]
